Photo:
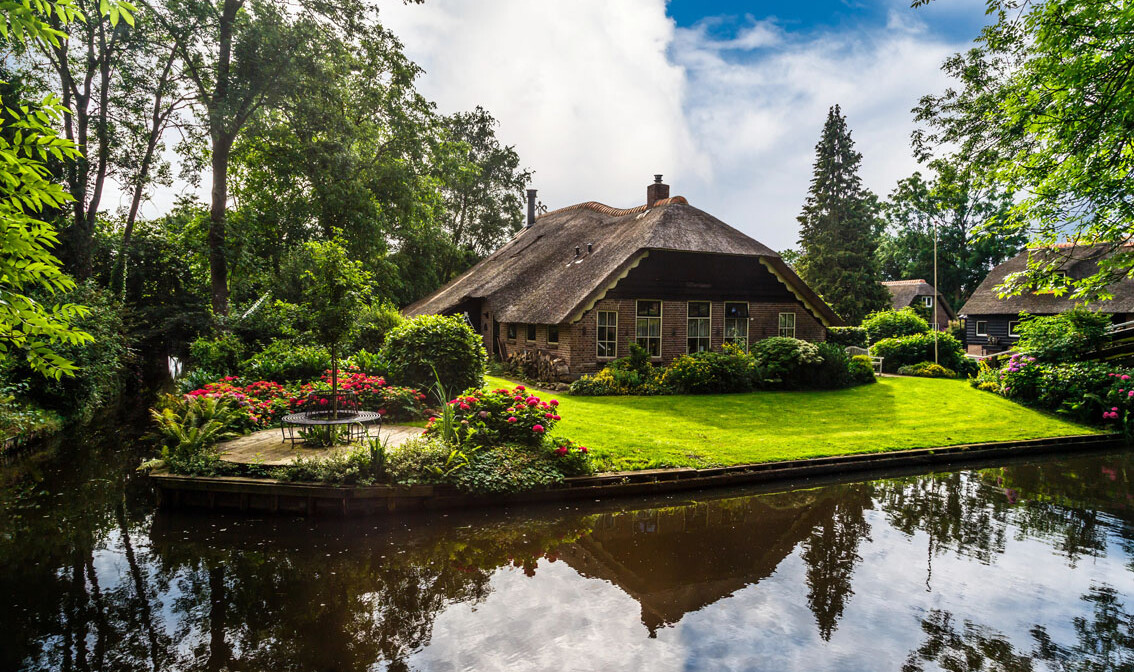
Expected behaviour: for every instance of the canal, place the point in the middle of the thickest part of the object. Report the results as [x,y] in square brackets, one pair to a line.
[1028,565]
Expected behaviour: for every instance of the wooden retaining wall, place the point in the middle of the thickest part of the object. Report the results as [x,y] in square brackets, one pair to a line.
[262,495]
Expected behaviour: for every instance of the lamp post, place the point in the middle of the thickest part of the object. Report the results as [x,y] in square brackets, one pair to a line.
[933,308]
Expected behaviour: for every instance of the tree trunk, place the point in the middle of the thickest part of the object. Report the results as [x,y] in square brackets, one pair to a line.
[218,264]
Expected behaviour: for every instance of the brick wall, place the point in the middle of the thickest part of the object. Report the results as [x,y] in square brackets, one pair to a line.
[763,322]
[563,349]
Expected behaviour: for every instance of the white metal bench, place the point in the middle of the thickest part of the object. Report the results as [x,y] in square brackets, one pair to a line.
[854,350]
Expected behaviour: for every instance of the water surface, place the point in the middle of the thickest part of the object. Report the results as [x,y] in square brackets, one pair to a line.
[1026,566]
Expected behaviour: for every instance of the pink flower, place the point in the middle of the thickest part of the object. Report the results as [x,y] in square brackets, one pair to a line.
[561,451]
[512,419]
[483,414]
[555,417]
[554,402]
[547,415]
[532,402]
[583,449]
[1125,377]
[464,406]
[381,411]
[521,388]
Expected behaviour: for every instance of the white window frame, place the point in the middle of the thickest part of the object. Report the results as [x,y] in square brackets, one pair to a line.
[638,318]
[927,301]
[977,327]
[739,321]
[781,329]
[708,337]
[556,328]
[1012,324]
[599,340]
[512,331]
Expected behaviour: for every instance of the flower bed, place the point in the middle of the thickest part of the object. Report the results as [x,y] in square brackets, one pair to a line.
[266,402]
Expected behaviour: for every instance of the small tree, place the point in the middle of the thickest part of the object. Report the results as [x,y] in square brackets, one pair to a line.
[333,285]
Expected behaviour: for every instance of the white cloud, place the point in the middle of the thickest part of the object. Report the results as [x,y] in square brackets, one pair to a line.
[598,96]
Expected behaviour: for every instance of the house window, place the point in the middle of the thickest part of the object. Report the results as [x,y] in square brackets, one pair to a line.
[607,333]
[787,325]
[648,329]
[531,332]
[928,301]
[736,323]
[697,330]
[1012,324]
[982,327]
[511,332]
[553,334]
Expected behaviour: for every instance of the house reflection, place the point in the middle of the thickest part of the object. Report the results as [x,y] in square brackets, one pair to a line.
[678,560]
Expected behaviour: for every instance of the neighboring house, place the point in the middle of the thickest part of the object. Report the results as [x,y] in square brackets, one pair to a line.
[990,321]
[578,284]
[922,295]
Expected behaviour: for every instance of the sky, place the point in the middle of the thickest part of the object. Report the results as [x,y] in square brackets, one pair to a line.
[725,99]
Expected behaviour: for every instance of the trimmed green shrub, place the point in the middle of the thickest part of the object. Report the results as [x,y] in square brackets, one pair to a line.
[370,363]
[861,370]
[418,347]
[287,361]
[222,354]
[375,322]
[847,336]
[832,372]
[788,360]
[1065,337]
[893,324]
[727,370]
[926,370]
[915,348]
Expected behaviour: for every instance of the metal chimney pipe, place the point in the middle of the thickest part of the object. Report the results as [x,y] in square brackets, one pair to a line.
[531,207]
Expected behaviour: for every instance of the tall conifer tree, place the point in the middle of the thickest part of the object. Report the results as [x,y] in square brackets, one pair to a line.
[839,228]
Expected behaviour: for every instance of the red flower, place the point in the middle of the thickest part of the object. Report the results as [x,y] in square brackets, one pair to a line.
[538,429]
[561,451]
[554,402]
[512,419]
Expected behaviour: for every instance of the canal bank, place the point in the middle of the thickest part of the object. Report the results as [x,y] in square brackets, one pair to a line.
[261,495]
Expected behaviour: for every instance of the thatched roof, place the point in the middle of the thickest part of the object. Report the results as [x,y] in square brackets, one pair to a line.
[536,277]
[904,292]
[1078,261]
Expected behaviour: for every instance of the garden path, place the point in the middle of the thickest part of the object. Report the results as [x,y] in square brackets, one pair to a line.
[268,448]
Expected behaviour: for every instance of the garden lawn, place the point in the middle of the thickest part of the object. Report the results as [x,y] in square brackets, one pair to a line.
[626,433]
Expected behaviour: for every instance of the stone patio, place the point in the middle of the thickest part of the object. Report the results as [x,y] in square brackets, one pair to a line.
[267,446]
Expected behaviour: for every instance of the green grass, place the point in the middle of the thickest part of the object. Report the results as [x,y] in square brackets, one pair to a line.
[696,431]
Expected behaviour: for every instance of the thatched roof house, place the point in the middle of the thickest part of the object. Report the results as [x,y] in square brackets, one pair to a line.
[922,295]
[990,321]
[577,284]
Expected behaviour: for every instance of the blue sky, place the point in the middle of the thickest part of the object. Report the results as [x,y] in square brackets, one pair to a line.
[947,18]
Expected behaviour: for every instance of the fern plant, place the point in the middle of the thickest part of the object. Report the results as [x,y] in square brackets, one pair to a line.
[190,428]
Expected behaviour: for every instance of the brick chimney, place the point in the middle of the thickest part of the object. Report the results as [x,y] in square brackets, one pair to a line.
[656,192]
[531,208]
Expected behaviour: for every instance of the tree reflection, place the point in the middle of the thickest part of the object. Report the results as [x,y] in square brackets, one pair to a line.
[1104,642]
[831,554]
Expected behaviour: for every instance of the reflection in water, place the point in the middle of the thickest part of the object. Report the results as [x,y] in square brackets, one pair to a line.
[1023,567]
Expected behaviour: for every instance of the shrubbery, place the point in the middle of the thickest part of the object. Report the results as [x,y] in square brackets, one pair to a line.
[1091,392]
[847,336]
[221,355]
[861,370]
[788,360]
[907,350]
[774,363]
[727,370]
[1065,337]
[430,347]
[893,324]
[285,362]
[926,370]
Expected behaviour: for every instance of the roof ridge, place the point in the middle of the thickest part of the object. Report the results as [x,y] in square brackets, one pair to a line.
[604,209]
[905,282]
